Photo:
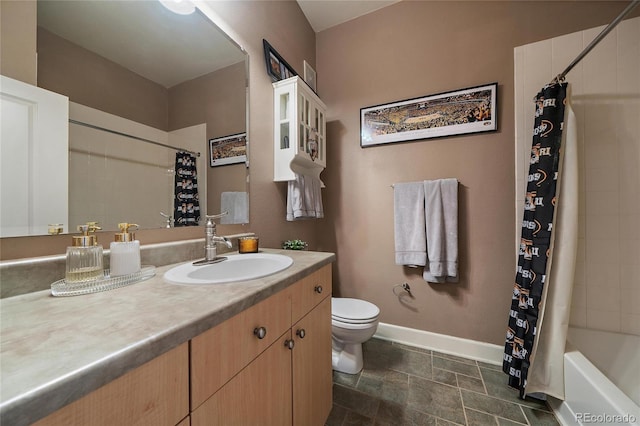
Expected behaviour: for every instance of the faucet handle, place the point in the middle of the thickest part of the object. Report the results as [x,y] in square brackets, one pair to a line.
[216,216]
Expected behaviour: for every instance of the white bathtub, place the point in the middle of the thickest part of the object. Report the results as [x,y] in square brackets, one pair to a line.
[602,379]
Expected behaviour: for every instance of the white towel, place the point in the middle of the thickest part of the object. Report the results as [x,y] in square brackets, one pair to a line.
[304,198]
[237,204]
[409,224]
[441,218]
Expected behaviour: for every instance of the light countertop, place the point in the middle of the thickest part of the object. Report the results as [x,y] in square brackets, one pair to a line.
[54,350]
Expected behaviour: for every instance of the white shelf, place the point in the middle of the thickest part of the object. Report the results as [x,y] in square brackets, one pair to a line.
[299,130]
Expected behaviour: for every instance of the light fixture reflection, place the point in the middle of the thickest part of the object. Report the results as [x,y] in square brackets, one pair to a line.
[181,7]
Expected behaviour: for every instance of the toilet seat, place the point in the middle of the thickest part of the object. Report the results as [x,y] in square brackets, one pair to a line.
[353,311]
[354,327]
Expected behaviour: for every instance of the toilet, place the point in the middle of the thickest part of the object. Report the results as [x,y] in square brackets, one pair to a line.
[353,322]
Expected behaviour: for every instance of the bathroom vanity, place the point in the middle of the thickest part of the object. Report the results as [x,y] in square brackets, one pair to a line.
[251,352]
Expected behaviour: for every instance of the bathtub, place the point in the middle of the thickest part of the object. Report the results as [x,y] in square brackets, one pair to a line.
[602,379]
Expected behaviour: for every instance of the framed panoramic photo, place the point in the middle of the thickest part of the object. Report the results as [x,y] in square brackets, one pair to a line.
[230,149]
[277,68]
[459,112]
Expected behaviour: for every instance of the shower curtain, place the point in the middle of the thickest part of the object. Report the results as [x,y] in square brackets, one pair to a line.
[538,282]
[186,202]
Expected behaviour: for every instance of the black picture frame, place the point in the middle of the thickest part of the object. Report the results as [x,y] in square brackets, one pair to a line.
[277,68]
[230,149]
[457,112]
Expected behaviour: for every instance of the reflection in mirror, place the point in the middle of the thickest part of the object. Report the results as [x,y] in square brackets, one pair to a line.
[138,69]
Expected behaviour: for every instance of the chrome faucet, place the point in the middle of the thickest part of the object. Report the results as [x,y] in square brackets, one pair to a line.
[211,239]
[169,222]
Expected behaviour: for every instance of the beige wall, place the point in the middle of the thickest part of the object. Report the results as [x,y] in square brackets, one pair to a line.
[18,40]
[91,80]
[411,49]
[217,98]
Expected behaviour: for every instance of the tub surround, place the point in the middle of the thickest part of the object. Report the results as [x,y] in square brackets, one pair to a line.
[55,350]
[590,397]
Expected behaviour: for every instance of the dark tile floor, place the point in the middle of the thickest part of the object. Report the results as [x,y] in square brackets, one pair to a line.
[404,385]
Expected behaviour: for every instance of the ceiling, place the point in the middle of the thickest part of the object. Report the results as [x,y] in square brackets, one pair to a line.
[323,14]
[169,48]
[143,37]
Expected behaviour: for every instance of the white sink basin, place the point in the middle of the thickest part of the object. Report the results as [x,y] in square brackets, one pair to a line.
[237,267]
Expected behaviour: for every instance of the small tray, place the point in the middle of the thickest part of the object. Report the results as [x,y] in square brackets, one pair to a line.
[63,288]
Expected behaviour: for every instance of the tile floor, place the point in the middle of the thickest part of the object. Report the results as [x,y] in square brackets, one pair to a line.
[403,385]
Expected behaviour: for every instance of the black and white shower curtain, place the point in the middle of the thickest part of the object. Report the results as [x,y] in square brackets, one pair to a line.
[536,241]
[186,202]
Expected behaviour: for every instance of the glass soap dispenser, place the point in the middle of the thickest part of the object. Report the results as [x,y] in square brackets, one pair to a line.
[84,257]
[125,251]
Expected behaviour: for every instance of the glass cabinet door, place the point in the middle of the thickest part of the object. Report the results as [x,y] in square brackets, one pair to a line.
[284,121]
[299,128]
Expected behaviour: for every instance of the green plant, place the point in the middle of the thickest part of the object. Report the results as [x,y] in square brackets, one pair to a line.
[294,245]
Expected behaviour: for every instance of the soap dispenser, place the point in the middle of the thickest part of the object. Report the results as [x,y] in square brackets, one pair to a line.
[84,257]
[125,251]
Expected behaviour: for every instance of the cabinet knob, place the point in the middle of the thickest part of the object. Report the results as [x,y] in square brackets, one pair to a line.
[318,289]
[301,333]
[260,332]
[289,344]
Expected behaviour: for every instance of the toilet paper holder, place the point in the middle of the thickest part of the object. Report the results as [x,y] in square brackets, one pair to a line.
[405,287]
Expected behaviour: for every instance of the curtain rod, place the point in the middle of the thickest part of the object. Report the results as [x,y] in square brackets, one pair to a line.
[560,77]
[115,132]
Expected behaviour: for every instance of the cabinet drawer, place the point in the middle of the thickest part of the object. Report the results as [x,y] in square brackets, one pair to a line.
[157,393]
[220,353]
[310,291]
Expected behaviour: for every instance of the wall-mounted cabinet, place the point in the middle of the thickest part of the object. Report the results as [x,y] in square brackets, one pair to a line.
[299,130]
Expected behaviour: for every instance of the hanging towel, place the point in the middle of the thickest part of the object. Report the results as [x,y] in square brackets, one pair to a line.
[304,198]
[409,224]
[237,204]
[441,219]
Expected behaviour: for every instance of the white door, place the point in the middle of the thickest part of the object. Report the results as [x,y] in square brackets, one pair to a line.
[33,159]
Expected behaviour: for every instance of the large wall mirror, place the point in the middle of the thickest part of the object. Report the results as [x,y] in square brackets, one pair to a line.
[135,68]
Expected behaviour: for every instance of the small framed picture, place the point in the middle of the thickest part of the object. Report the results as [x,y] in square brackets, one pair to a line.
[277,67]
[310,76]
[230,149]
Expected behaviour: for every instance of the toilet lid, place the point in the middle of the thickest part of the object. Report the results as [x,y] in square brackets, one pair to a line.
[353,310]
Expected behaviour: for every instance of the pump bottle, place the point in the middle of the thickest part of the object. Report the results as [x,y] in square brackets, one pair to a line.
[125,251]
[84,257]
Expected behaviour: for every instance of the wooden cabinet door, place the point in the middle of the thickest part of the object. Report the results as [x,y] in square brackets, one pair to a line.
[155,394]
[259,395]
[312,372]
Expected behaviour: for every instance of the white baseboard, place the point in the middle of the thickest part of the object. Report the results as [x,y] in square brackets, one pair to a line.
[479,351]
